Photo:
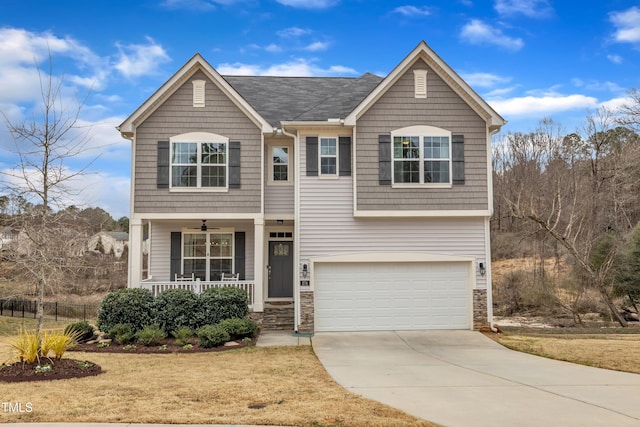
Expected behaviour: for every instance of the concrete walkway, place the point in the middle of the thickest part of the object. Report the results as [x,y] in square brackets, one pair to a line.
[276,338]
[462,378]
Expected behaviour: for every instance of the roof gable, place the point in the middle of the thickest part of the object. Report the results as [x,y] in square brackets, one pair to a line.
[444,71]
[194,64]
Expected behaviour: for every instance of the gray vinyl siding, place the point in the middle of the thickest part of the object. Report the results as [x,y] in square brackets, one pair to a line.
[177,116]
[442,108]
[159,265]
[279,199]
[328,227]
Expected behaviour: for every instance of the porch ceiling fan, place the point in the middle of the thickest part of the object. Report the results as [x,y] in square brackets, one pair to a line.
[204,227]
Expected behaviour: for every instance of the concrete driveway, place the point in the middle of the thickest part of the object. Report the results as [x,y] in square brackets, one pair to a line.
[462,378]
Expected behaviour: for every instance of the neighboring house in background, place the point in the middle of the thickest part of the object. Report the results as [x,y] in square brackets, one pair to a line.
[108,242]
[7,236]
[364,203]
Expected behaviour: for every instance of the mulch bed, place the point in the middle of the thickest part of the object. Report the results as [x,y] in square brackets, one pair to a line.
[166,346]
[62,369]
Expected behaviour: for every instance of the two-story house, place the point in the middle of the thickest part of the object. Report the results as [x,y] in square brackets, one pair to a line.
[364,203]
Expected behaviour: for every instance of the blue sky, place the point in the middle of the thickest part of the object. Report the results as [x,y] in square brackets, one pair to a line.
[529,59]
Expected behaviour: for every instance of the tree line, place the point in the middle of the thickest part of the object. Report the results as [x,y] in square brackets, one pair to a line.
[575,196]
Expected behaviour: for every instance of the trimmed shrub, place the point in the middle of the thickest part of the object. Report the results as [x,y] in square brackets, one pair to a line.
[132,306]
[122,333]
[150,335]
[212,336]
[239,328]
[183,335]
[83,330]
[176,308]
[217,304]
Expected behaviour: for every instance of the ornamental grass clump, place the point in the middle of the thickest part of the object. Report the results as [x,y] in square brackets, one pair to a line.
[27,345]
[58,342]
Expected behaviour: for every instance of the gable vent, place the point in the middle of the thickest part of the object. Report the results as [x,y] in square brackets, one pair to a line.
[198,93]
[420,83]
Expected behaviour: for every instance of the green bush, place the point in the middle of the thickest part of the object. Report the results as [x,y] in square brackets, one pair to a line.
[239,328]
[217,304]
[212,336]
[83,330]
[132,306]
[150,335]
[121,333]
[182,335]
[176,308]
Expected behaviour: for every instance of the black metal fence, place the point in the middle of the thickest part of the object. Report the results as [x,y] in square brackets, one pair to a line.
[52,310]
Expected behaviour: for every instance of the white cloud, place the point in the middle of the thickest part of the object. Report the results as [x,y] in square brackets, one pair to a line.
[295,68]
[616,59]
[478,33]
[197,5]
[595,85]
[484,79]
[317,46]
[309,4]
[292,32]
[529,8]
[616,103]
[627,25]
[135,60]
[544,105]
[413,11]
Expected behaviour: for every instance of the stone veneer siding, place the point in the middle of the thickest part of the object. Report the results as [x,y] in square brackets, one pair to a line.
[480,319]
[306,312]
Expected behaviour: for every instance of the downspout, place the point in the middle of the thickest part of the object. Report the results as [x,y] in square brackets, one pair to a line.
[488,239]
[296,229]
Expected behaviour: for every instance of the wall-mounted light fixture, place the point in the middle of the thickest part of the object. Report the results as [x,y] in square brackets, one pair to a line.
[203,227]
[305,270]
[482,269]
[279,221]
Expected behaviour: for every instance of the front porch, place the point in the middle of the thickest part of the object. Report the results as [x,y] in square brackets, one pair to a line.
[258,253]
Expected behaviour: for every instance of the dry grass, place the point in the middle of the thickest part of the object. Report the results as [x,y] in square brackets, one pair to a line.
[617,352]
[288,384]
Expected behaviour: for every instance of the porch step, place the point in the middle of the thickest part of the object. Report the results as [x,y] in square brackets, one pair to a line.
[278,317]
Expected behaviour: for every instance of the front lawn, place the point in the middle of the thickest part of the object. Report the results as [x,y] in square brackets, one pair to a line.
[594,347]
[270,386]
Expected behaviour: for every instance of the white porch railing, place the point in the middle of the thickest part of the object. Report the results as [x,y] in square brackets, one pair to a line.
[197,286]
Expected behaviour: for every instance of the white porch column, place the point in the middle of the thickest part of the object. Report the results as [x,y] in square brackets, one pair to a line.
[258,262]
[135,253]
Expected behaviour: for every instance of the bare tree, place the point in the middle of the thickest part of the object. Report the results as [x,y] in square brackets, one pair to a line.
[562,184]
[44,145]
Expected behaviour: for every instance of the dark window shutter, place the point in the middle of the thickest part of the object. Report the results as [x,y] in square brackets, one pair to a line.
[457,158]
[234,164]
[163,164]
[176,254]
[239,253]
[344,143]
[384,159]
[312,156]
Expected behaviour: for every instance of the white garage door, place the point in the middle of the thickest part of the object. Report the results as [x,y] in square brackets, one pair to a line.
[392,296]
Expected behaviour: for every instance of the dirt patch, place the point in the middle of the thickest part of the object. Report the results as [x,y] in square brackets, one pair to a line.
[47,370]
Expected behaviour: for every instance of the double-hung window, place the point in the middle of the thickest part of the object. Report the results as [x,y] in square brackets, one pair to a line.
[201,162]
[421,158]
[328,156]
[280,164]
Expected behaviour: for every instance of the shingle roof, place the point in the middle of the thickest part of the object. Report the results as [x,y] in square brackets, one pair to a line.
[280,99]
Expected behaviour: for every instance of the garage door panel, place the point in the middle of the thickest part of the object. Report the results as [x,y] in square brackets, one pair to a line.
[379,296]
